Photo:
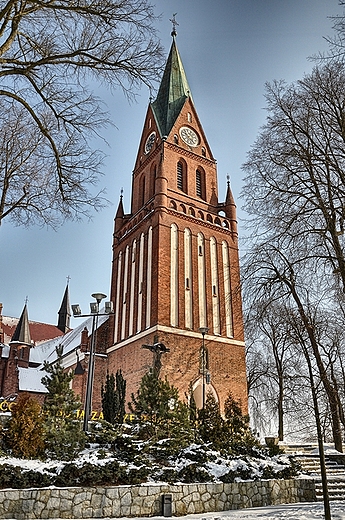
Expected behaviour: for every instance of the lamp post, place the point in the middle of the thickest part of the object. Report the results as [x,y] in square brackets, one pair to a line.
[203,331]
[94,312]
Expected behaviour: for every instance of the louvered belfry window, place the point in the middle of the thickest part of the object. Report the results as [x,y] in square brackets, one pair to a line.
[180,176]
[199,183]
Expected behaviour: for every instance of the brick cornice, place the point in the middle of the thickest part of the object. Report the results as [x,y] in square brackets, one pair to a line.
[191,155]
[177,332]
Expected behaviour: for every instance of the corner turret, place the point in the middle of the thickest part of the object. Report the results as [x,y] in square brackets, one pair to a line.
[230,209]
[119,215]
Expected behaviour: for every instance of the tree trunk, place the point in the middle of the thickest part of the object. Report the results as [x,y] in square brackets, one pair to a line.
[326,503]
[329,389]
[280,409]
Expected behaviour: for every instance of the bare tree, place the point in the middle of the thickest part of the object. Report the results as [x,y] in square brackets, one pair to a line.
[49,53]
[274,370]
[271,274]
[297,167]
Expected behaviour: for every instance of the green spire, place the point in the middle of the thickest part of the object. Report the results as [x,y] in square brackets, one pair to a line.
[173,92]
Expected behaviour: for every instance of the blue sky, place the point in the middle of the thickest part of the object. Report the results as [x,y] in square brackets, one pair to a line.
[229,49]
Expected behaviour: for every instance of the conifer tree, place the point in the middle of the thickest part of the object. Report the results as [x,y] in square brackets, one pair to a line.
[239,436]
[121,396]
[159,411]
[64,437]
[193,411]
[25,433]
[113,398]
[237,422]
[109,399]
[211,423]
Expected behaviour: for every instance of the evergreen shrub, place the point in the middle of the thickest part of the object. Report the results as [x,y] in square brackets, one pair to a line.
[194,473]
[64,438]
[25,433]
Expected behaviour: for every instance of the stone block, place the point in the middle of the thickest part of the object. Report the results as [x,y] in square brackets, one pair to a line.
[125,511]
[126,499]
[65,504]
[143,491]
[112,493]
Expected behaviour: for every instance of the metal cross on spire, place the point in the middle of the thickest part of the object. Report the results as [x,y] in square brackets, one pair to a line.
[174,23]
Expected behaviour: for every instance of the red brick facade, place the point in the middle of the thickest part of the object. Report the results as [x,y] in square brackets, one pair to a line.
[176,266]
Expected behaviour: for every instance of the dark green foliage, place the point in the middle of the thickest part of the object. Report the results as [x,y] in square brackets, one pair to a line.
[25,433]
[102,433]
[242,472]
[90,475]
[133,462]
[121,397]
[199,453]
[64,437]
[211,424]
[231,433]
[15,477]
[159,412]
[114,398]
[194,473]
[71,474]
[193,411]
[237,422]
[109,399]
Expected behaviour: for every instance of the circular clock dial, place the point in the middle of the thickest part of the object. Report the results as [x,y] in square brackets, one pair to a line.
[149,142]
[189,136]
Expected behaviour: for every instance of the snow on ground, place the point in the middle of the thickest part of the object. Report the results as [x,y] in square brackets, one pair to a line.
[302,511]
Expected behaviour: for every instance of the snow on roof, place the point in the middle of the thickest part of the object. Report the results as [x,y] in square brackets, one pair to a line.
[39,332]
[5,351]
[30,380]
[70,341]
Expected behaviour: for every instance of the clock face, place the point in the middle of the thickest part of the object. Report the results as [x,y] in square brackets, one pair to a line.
[189,136]
[150,142]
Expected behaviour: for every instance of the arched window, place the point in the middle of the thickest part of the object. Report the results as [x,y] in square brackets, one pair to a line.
[200,183]
[181,176]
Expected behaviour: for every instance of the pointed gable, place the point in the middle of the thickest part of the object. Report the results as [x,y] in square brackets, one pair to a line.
[64,312]
[173,92]
[22,332]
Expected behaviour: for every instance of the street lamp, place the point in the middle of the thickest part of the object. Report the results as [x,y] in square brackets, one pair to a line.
[203,331]
[94,312]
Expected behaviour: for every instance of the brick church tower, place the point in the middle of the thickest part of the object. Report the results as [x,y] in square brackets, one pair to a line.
[175,274]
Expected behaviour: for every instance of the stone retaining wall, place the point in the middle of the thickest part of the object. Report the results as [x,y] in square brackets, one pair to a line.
[146,500]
